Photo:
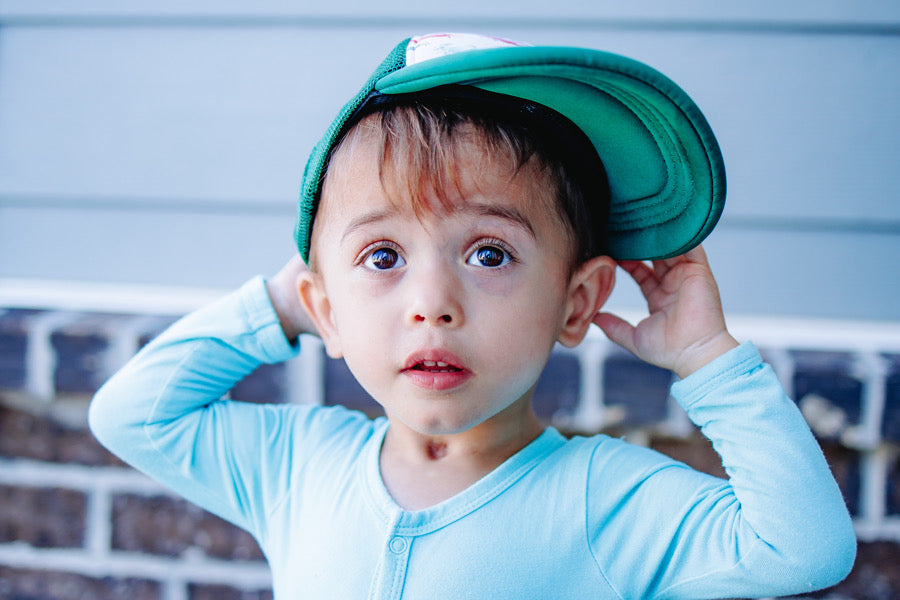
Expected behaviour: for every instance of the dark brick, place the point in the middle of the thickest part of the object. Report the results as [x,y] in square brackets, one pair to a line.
[81,346]
[828,374]
[42,517]
[29,584]
[890,424]
[13,346]
[268,383]
[169,526]
[822,361]
[342,389]
[557,389]
[875,575]
[221,592]
[640,388]
[40,437]
[893,489]
[845,466]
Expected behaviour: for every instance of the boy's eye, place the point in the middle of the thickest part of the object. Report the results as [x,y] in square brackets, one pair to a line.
[383,258]
[489,256]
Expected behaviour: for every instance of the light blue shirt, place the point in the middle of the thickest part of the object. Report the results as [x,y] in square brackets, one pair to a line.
[584,517]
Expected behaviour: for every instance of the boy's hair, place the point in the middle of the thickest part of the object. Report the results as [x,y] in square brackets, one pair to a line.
[664,173]
[420,138]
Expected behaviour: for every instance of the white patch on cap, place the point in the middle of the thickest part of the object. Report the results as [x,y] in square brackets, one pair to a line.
[433,45]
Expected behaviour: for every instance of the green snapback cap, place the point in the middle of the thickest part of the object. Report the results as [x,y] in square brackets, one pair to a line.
[663,164]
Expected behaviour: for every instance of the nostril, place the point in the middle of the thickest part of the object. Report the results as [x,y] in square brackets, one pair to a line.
[442,318]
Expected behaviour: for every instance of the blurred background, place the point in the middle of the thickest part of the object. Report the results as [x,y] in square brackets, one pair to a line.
[162,143]
[150,157]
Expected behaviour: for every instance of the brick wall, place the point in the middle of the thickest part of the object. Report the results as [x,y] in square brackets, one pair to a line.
[77,523]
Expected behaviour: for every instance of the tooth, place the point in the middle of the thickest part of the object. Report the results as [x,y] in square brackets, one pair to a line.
[429,363]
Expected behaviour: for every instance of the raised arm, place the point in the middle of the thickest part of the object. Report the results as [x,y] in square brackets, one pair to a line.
[778,525]
[164,411]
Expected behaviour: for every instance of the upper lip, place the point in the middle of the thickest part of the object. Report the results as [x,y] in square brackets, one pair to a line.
[437,358]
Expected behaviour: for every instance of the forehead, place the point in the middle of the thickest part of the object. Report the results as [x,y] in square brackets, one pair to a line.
[432,180]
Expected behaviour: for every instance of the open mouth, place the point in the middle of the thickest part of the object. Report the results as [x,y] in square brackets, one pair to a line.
[441,371]
[435,366]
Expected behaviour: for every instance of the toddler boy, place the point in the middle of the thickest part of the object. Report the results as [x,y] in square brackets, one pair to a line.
[465,212]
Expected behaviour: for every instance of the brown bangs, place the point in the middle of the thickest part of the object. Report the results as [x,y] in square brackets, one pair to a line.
[423,150]
[432,146]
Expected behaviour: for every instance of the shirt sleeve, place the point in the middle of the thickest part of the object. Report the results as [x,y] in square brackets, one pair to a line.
[163,412]
[778,525]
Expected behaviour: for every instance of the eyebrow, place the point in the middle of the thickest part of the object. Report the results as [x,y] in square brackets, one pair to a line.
[478,208]
[503,212]
[365,219]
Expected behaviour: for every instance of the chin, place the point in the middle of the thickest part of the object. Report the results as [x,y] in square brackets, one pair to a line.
[443,424]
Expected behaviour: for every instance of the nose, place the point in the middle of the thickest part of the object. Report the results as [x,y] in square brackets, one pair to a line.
[434,296]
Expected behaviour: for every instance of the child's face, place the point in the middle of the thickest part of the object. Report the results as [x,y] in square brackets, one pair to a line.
[446,318]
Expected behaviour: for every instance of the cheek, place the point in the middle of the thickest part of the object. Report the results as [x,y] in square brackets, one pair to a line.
[361,313]
[535,298]
[538,285]
[496,285]
[527,324]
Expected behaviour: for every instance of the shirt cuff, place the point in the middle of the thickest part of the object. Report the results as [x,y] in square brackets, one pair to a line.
[734,363]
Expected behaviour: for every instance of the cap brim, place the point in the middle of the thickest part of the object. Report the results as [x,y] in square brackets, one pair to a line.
[665,169]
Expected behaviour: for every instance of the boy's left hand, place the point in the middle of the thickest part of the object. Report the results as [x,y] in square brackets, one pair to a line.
[283,289]
[686,328]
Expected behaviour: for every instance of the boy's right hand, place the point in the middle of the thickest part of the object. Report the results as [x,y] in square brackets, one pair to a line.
[284,293]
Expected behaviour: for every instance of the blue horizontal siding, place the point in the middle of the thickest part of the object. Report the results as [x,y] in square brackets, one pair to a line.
[650,13]
[172,135]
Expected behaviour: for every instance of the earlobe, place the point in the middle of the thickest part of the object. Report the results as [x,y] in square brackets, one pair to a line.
[589,288]
[315,300]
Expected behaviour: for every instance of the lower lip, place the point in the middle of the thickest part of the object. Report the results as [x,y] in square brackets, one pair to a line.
[437,380]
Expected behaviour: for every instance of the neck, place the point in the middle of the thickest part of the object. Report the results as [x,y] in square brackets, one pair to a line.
[420,470]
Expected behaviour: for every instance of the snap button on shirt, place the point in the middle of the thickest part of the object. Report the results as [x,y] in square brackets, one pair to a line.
[398,545]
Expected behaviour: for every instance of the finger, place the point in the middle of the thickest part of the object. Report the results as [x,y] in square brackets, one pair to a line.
[662,267]
[631,265]
[697,255]
[642,274]
[616,329]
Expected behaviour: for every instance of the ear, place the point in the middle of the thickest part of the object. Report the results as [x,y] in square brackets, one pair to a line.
[314,298]
[589,287]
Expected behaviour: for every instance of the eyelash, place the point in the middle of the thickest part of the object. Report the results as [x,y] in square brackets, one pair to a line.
[369,250]
[494,242]
[474,247]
